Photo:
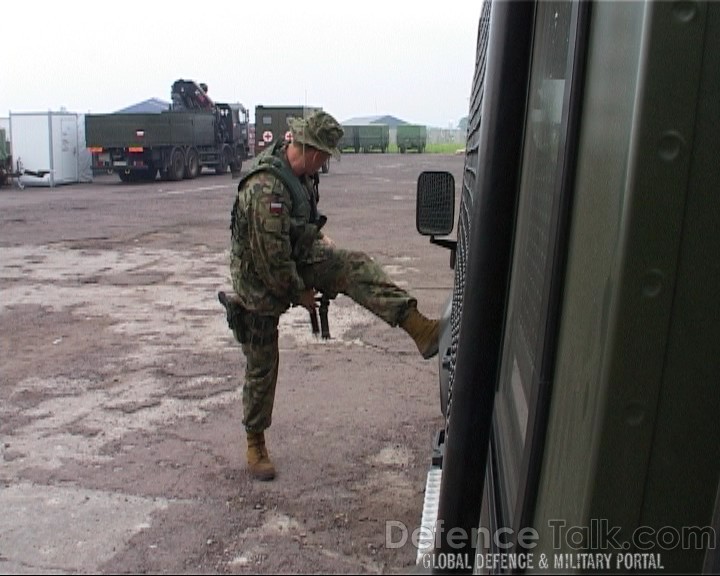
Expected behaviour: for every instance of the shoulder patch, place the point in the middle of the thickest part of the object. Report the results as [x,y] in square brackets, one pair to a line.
[276,206]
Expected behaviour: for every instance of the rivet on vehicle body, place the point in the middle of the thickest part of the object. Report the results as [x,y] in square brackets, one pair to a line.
[653,283]
[634,414]
[670,146]
[684,11]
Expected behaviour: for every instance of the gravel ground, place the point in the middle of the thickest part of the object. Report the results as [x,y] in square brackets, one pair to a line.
[121,441]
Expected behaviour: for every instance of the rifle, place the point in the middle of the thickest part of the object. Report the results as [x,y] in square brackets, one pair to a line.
[323,328]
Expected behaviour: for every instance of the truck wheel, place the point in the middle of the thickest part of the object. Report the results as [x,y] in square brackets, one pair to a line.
[224,161]
[236,167]
[176,170]
[192,164]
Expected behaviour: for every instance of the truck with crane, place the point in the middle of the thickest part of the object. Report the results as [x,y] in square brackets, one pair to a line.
[194,133]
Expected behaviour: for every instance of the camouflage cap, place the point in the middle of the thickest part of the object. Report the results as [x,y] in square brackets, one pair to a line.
[319,130]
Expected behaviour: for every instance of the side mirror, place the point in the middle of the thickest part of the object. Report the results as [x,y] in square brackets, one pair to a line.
[435,205]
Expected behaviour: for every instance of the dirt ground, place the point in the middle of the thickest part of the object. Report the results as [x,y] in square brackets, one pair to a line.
[121,441]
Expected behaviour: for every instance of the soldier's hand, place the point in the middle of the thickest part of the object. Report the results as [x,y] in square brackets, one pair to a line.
[307,299]
[326,241]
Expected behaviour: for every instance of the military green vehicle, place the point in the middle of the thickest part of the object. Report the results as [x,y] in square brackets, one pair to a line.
[580,353]
[411,137]
[3,150]
[194,133]
[5,167]
[365,137]
[271,125]
[373,137]
[350,139]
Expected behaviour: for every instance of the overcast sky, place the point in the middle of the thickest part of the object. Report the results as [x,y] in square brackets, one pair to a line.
[411,60]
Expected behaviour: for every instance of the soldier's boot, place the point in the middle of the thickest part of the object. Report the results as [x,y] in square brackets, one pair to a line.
[258,458]
[424,331]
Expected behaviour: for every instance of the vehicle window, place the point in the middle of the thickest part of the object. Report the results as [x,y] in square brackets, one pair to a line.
[545,131]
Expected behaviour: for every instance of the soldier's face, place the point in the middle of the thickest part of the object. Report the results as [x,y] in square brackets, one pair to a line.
[314,159]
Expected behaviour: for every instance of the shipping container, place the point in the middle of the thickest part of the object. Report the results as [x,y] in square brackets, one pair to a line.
[49,143]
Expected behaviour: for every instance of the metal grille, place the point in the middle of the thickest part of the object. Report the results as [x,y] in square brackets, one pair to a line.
[472,163]
[438,209]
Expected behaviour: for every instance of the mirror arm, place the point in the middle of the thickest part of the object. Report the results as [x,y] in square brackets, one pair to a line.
[449,244]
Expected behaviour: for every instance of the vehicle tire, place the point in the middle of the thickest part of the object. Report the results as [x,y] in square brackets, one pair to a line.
[224,161]
[125,177]
[236,161]
[192,164]
[176,170]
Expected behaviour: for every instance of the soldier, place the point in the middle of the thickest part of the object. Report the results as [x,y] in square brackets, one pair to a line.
[280,257]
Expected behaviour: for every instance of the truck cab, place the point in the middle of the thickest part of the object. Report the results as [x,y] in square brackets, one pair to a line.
[236,121]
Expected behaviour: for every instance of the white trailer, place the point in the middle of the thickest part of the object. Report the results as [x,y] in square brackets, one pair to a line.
[50,143]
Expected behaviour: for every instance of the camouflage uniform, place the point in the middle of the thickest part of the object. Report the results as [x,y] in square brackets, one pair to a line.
[277,253]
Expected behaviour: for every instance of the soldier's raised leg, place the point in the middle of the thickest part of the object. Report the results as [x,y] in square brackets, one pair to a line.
[336,271]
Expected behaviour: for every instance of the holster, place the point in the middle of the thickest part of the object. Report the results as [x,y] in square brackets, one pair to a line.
[248,327]
[234,313]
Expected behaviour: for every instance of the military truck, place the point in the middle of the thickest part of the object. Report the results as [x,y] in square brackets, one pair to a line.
[411,137]
[271,125]
[194,133]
